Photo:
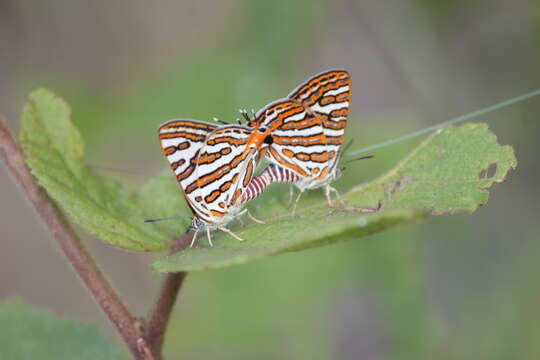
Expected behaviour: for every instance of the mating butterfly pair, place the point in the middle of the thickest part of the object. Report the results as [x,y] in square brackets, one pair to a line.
[301,136]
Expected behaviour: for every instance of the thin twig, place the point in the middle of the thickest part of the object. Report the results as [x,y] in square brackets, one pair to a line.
[99,286]
[159,319]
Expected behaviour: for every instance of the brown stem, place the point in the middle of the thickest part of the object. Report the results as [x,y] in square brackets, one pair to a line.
[99,286]
[159,319]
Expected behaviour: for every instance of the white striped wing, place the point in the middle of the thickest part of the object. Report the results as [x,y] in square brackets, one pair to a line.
[328,95]
[211,165]
[307,128]
[224,169]
[297,141]
[181,141]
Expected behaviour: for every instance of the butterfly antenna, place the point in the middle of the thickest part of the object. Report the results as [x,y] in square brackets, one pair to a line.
[165,218]
[244,113]
[360,158]
[346,147]
[220,121]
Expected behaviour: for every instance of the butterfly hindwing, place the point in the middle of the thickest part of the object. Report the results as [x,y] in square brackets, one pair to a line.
[181,142]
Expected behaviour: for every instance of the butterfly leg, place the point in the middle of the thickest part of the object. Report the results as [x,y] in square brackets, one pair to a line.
[296,202]
[327,190]
[250,216]
[291,195]
[254,218]
[239,218]
[328,197]
[224,229]
[241,212]
[193,238]
[209,236]
[242,223]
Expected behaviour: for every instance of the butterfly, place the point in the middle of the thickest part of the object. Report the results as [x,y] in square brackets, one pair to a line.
[213,166]
[304,132]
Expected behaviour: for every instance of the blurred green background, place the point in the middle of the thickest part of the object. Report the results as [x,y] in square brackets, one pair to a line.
[454,287]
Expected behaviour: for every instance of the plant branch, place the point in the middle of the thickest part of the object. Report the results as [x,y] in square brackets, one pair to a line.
[159,319]
[99,286]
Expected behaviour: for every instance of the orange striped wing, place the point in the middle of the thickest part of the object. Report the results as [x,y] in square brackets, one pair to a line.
[225,167]
[305,131]
[213,165]
[328,95]
[295,137]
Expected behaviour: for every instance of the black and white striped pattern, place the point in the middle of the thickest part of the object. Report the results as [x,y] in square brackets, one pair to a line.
[272,174]
[307,128]
[212,164]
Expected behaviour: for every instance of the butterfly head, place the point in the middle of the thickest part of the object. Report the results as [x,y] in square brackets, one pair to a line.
[337,173]
[197,224]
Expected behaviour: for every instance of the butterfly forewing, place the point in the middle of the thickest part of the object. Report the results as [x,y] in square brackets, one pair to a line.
[297,137]
[211,165]
[225,167]
[328,94]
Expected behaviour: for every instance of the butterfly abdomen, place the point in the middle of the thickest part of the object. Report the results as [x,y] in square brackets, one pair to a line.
[272,174]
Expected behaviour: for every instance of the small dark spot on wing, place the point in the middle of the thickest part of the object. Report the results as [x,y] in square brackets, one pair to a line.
[269,139]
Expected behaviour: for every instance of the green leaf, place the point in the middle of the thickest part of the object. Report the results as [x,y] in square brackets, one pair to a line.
[54,151]
[28,334]
[449,172]
[161,197]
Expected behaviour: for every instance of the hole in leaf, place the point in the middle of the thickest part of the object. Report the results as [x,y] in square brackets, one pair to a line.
[488,172]
[398,186]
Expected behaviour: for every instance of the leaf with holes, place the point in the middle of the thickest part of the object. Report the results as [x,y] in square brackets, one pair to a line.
[449,172]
